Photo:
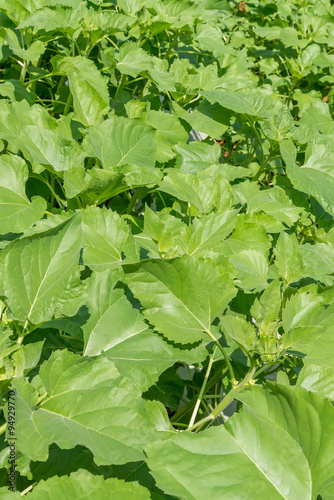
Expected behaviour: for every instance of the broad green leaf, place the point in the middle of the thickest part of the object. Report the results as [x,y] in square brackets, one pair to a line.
[119,141]
[100,184]
[315,177]
[270,461]
[111,318]
[318,379]
[210,119]
[247,236]
[40,271]
[16,91]
[196,156]
[306,417]
[104,237]
[88,87]
[252,269]
[274,202]
[187,187]
[253,103]
[35,133]
[20,9]
[58,18]
[209,232]
[133,60]
[169,132]
[318,260]
[239,330]
[33,53]
[320,351]
[83,484]
[169,292]
[27,357]
[142,357]
[157,230]
[288,258]
[88,403]
[17,212]
[305,318]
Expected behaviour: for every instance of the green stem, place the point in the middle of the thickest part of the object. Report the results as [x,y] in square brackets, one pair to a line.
[201,393]
[226,401]
[61,203]
[41,398]
[132,202]
[120,85]
[227,359]
[23,71]
[171,44]
[68,104]
[3,428]
[183,411]
[52,184]
[60,83]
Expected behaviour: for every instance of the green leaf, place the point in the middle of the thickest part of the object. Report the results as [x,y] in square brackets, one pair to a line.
[271,462]
[305,318]
[318,379]
[40,270]
[142,357]
[35,133]
[88,87]
[288,258]
[83,484]
[273,202]
[169,292]
[239,330]
[33,53]
[133,60]
[16,91]
[119,141]
[196,156]
[300,414]
[276,128]
[267,308]
[247,236]
[17,212]
[253,102]
[169,132]
[209,119]
[88,403]
[209,232]
[315,177]
[318,260]
[252,269]
[187,187]
[111,318]
[104,236]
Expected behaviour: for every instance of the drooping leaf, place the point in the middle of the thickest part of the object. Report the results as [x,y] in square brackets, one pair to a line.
[88,87]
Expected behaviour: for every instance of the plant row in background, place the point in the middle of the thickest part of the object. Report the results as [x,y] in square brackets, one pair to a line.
[151,284]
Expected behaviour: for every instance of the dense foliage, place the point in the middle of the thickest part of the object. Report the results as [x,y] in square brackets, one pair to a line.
[167,249]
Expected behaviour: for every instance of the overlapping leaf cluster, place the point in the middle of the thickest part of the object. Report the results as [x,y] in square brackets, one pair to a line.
[167,248]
